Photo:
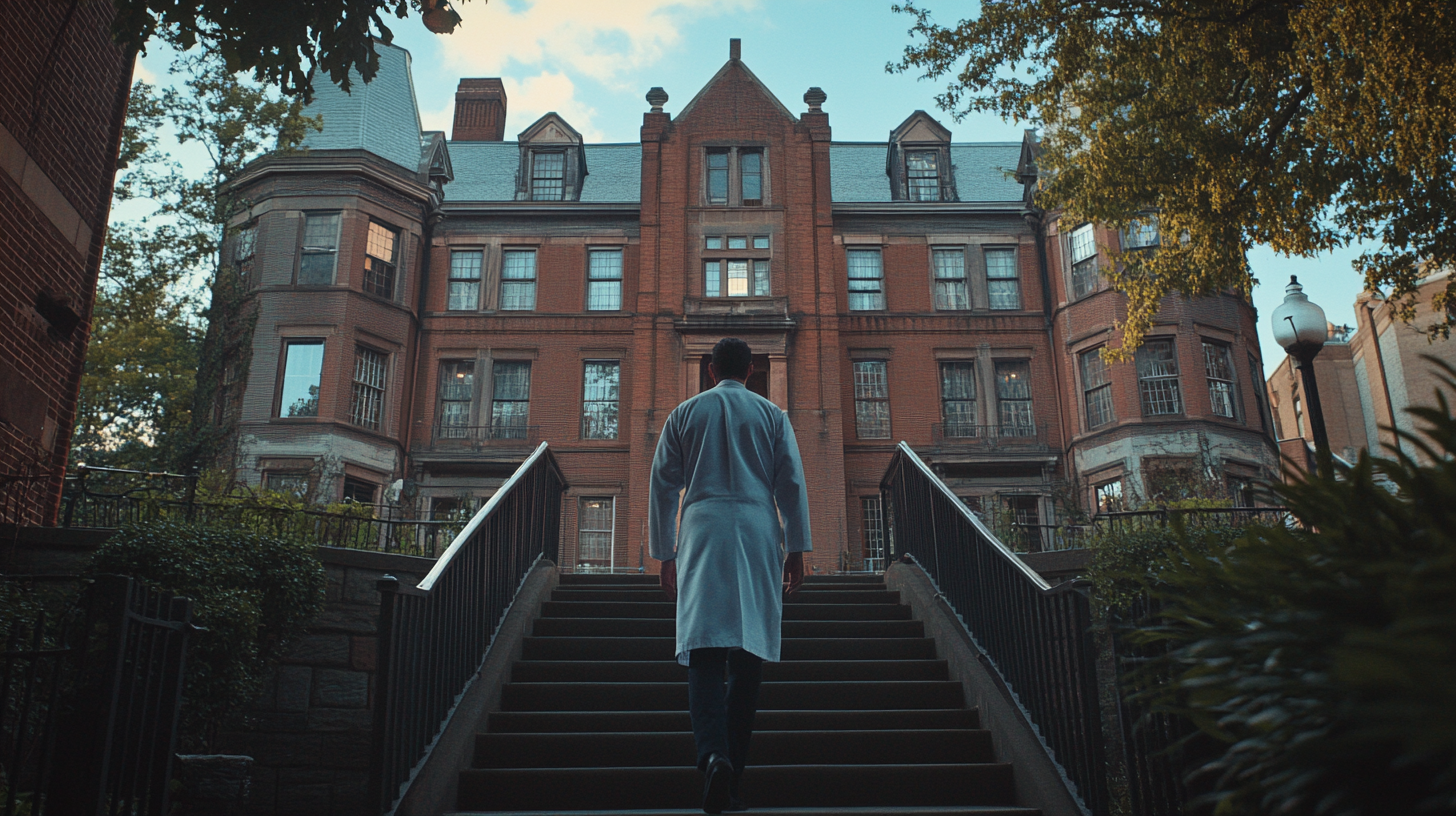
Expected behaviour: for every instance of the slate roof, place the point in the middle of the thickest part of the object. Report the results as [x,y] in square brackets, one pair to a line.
[381,116]
[857,171]
[486,171]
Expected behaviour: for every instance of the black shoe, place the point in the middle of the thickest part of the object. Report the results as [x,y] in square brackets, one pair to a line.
[715,789]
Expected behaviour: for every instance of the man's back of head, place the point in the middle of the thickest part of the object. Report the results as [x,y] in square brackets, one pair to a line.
[731,358]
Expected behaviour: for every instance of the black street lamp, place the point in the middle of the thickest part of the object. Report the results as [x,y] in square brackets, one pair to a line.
[1300,327]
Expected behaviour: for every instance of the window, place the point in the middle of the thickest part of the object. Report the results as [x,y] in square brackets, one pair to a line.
[604,280]
[738,242]
[368,388]
[303,365]
[457,390]
[1141,234]
[866,280]
[290,483]
[518,280]
[1157,365]
[450,508]
[713,242]
[1084,261]
[465,280]
[1257,384]
[874,532]
[922,175]
[595,529]
[760,278]
[950,279]
[510,399]
[1298,416]
[1108,497]
[548,176]
[750,166]
[1025,522]
[958,399]
[1220,369]
[244,248]
[1096,389]
[871,400]
[599,395]
[320,249]
[1002,283]
[380,260]
[760,242]
[736,281]
[717,176]
[1013,398]
[1240,491]
[359,491]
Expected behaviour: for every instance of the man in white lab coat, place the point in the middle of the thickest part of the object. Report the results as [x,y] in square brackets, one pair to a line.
[733,457]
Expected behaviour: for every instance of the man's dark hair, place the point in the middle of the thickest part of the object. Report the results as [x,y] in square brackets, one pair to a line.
[732,357]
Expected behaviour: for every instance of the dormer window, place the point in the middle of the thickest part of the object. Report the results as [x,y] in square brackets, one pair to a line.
[548,175]
[922,175]
[553,163]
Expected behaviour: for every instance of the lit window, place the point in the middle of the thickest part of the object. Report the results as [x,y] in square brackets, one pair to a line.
[1003,285]
[368,404]
[923,177]
[750,165]
[380,260]
[950,279]
[548,176]
[465,280]
[303,365]
[1013,399]
[958,399]
[510,400]
[737,279]
[731,278]
[866,280]
[1108,496]
[874,532]
[604,280]
[1096,389]
[595,531]
[1220,369]
[717,176]
[1157,365]
[1084,261]
[457,390]
[599,395]
[518,280]
[320,249]
[871,400]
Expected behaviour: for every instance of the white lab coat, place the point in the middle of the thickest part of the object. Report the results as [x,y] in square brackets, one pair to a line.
[734,454]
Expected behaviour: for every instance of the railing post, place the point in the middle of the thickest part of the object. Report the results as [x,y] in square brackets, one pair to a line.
[388,587]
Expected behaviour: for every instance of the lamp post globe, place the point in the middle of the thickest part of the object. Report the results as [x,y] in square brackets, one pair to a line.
[1301,329]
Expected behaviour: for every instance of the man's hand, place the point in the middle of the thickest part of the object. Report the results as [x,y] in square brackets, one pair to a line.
[793,573]
[668,579]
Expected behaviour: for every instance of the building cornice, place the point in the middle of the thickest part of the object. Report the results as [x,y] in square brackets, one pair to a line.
[928,208]
[563,207]
[331,165]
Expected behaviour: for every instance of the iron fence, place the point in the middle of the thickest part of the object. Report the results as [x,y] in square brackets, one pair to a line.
[1036,637]
[1194,518]
[90,690]
[433,637]
[1028,437]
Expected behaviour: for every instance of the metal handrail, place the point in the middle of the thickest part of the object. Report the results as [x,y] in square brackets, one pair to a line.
[1035,637]
[434,637]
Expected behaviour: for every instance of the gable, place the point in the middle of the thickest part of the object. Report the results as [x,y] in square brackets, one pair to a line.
[727,88]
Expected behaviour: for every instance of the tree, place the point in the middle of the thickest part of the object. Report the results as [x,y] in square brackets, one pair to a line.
[143,364]
[273,38]
[1302,125]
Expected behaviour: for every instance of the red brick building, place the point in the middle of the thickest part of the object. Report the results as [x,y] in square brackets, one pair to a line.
[430,309]
[63,95]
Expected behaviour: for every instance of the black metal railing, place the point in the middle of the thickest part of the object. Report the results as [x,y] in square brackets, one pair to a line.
[1036,637]
[952,434]
[90,689]
[433,637]
[1194,518]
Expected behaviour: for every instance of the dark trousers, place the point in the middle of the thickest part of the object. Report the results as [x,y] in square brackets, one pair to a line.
[723,717]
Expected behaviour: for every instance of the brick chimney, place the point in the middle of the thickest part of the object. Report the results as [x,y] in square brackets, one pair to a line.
[480,111]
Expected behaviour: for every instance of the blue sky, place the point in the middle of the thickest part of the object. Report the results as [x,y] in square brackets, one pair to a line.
[592,62]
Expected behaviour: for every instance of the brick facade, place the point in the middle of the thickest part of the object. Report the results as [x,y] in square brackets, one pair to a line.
[733,182]
[63,93]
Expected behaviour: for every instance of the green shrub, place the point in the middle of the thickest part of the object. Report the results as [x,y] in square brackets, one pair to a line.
[253,593]
[1130,556]
[1324,658]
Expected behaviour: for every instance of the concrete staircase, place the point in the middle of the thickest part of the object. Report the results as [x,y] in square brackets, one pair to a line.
[860,717]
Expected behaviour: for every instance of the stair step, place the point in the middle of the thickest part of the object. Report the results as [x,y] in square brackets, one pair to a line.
[649,627]
[559,722]
[654,671]
[576,750]
[874,694]
[637,594]
[821,786]
[663,609]
[662,648]
[974,810]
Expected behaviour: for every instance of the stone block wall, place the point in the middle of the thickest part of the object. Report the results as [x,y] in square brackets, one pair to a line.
[311,730]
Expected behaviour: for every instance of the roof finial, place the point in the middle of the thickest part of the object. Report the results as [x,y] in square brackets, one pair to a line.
[814,98]
[735,49]
[657,97]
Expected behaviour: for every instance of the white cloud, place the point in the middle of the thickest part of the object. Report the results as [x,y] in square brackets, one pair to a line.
[549,42]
